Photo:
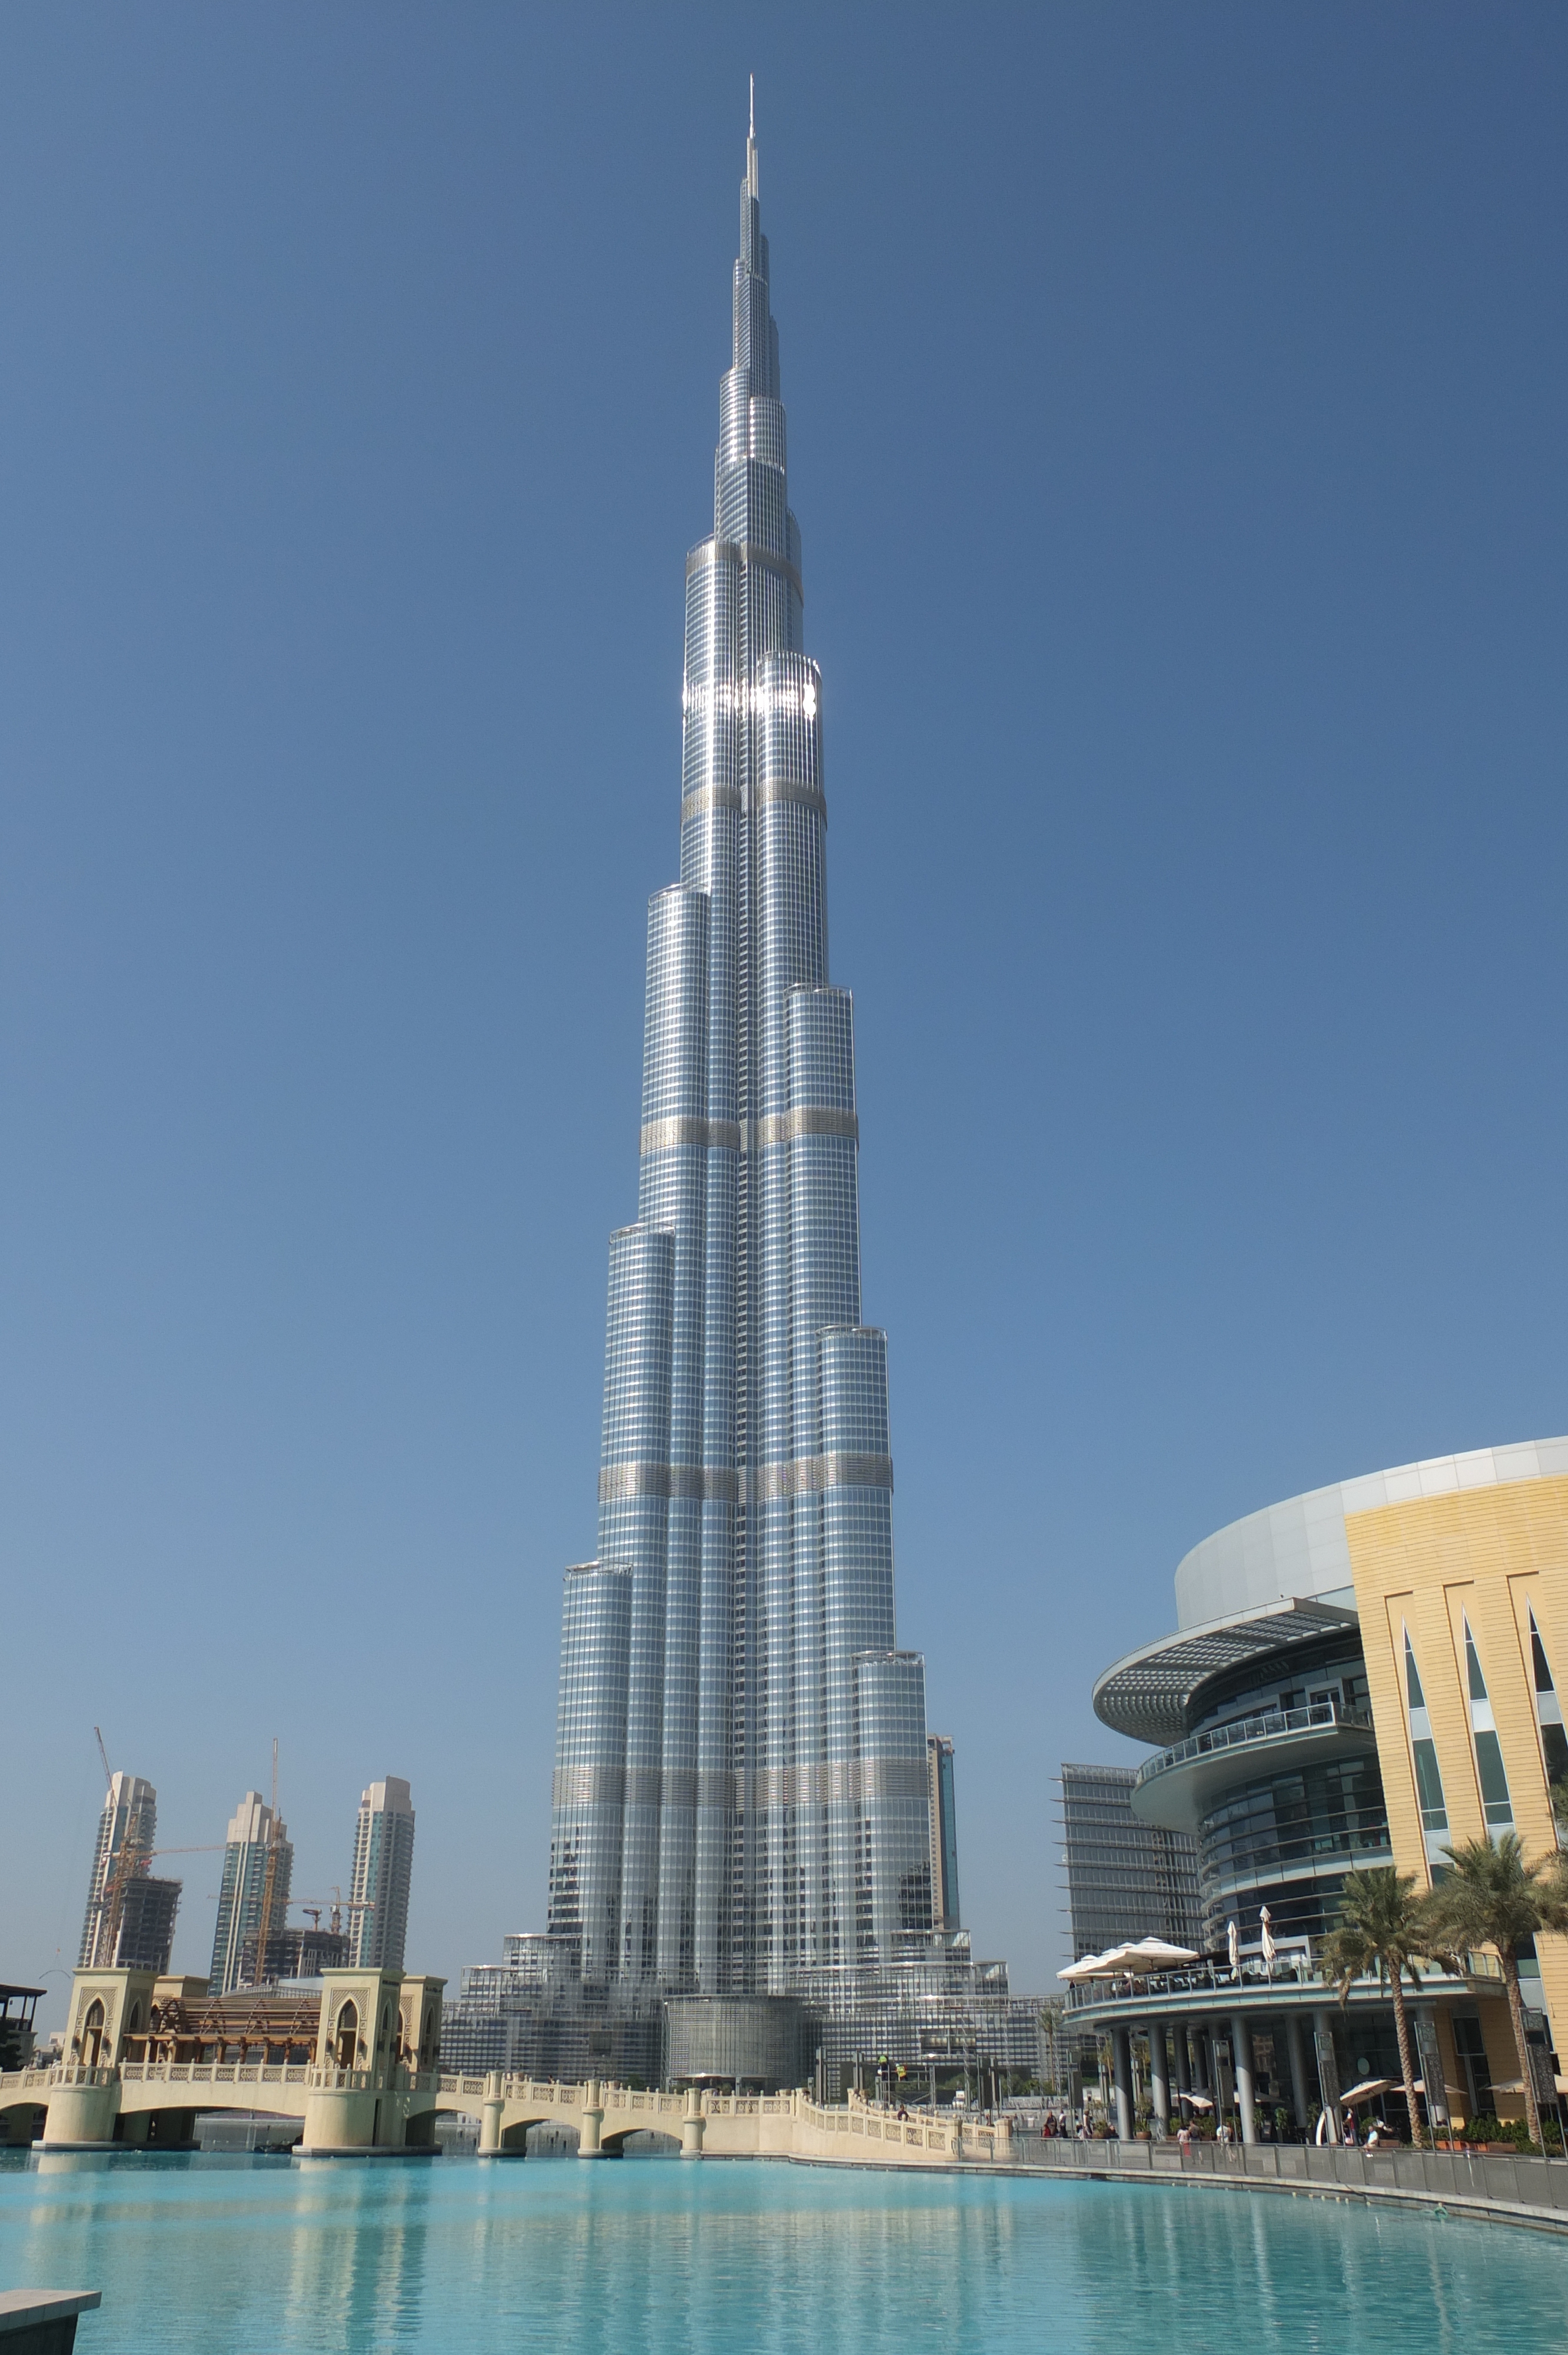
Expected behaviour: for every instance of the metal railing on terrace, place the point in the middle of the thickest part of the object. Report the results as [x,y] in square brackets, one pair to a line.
[1294,1966]
[1266,1725]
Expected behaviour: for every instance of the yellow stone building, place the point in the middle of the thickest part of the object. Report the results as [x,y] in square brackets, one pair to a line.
[1363,1675]
[1462,1592]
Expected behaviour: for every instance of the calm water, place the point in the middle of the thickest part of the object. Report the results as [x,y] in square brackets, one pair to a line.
[257,2254]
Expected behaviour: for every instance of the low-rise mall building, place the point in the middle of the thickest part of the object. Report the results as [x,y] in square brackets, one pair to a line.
[1359,1677]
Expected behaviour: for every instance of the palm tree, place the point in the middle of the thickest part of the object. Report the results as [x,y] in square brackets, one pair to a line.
[1491,1897]
[1380,1929]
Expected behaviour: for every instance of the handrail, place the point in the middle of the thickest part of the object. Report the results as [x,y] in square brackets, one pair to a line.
[1264,1725]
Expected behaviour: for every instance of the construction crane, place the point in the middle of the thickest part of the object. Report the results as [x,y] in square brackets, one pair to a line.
[316,1906]
[130,1861]
[123,1865]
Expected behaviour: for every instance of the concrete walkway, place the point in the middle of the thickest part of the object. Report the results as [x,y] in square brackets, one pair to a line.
[1505,2191]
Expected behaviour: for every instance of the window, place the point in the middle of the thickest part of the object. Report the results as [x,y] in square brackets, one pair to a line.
[1495,1805]
[1548,1710]
[1429,1776]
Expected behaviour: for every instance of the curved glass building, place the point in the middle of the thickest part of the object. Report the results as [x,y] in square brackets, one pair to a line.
[1360,1677]
[741,1775]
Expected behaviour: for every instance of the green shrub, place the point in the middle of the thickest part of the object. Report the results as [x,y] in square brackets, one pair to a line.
[1513,2130]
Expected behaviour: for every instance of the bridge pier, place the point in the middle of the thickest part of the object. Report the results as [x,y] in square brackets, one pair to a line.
[83,2104]
[692,2126]
[588,2143]
[490,2117]
[340,2116]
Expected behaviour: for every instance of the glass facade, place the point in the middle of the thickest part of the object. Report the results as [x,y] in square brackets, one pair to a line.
[944,1909]
[741,1789]
[252,1896]
[1126,1878]
[127,1837]
[383,1871]
[1286,1841]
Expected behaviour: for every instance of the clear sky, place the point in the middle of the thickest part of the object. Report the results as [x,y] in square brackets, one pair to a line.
[1176,405]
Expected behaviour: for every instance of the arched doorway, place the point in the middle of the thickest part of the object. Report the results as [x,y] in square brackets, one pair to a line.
[92,2033]
[347,2035]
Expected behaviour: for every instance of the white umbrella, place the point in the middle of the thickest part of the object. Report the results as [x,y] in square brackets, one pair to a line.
[1111,1965]
[1367,2089]
[1156,1952]
[1197,2101]
[1233,1942]
[1269,1949]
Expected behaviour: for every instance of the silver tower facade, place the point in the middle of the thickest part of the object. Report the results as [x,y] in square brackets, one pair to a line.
[741,1799]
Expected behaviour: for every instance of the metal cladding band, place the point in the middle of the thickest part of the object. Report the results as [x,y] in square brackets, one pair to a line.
[689,1128]
[800,1786]
[745,552]
[741,1794]
[706,798]
[801,1475]
[789,789]
[800,1120]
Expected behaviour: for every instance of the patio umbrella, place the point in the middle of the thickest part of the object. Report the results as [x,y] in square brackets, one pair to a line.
[1233,1942]
[1109,1965]
[1197,2101]
[1367,2089]
[1269,1948]
[1156,1953]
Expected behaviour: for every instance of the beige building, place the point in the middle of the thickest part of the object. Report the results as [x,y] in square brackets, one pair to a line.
[1461,1585]
[1364,1675]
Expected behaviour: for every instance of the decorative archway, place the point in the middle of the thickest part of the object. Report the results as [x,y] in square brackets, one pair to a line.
[347,2035]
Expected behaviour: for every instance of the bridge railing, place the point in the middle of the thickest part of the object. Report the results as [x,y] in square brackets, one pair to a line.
[211,2073]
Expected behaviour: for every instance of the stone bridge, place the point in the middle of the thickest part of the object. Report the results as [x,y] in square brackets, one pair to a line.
[360,2114]
[362,2092]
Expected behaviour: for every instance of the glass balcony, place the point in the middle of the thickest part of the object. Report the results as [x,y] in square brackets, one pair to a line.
[1242,1732]
[1178,1786]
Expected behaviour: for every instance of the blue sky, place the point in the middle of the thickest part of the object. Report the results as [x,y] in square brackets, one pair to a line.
[1176,404]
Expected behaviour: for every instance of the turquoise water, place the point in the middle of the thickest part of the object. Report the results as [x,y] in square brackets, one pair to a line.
[259,2254]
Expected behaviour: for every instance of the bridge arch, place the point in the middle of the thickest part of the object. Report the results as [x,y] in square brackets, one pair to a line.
[21,2123]
[614,2145]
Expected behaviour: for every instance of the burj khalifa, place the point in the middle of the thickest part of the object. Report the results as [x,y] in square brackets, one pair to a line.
[740,1797]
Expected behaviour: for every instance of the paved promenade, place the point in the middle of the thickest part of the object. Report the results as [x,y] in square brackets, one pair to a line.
[1530,2192]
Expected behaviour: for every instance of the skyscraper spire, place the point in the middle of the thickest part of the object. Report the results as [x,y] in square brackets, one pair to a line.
[741,1781]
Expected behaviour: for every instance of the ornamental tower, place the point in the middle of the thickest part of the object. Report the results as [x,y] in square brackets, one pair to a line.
[740,1797]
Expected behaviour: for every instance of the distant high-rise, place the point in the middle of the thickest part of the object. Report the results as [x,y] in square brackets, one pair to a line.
[130,1917]
[944,1834]
[741,1790]
[253,1895]
[383,1867]
[1126,1878]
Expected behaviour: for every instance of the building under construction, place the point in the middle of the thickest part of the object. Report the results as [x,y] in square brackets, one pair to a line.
[253,1895]
[130,1918]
